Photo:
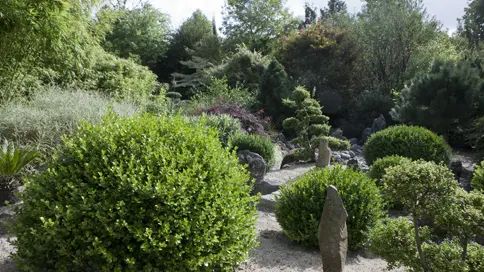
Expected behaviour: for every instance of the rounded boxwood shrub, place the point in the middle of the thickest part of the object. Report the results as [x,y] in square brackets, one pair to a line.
[137,194]
[408,141]
[254,143]
[300,205]
[378,169]
[478,177]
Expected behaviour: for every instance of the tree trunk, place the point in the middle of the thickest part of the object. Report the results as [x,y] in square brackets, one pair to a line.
[464,248]
[423,261]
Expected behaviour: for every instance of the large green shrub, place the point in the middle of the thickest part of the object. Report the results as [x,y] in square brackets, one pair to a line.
[379,167]
[254,143]
[53,112]
[408,141]
[137,194]
[119,78]
[300,204]
[447,97]
[478,177]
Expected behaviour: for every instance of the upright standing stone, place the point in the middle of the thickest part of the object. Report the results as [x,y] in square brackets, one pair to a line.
[324,157]
[333,235]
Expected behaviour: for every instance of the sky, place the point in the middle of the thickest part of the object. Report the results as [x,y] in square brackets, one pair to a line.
[446,11]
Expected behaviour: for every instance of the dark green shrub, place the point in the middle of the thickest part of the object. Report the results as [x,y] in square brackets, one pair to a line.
[448,96]
[296,155]
[254,143]
[378,169]
[334,144]
[478,177]
[301,202]
[408,141]
[137,194]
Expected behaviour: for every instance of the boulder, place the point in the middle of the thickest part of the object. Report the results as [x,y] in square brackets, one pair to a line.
[256,164]
[378,124]
[332,233]
[456,168]
[365,135]
[353,141]
[353,163]
[338,133]
[356,148]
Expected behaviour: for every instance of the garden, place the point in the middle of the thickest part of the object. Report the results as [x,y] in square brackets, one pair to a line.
[127,144]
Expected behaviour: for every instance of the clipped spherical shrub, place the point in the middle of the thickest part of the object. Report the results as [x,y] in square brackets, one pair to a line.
[478,177]
[137,194]
[378,169]
[254,143]
[300,205]
[408,141]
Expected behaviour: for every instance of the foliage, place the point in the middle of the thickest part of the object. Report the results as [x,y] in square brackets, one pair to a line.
[300,205]
[54,35]
[256,23]
[119,78]
[140,32]
[244,68]
[52,113]
[475,135]
[274,86]
[441,47]
[113,201]
[254,143]
[334,7]
[389,34]
[218,92]
[424,189]
[408,141]
[190,33]
[472,24]
[334,144]
[250,122]
[368,105]
[464,218]
[12,161]
[322,57]
[394,241]
[379,167]
[450,95]
[224,124]
[308,121]
[478,177]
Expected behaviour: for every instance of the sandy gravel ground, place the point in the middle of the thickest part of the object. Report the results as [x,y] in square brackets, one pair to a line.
[277,253]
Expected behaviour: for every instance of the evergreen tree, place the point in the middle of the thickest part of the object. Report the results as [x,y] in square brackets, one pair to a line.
[273,88]
[449,96]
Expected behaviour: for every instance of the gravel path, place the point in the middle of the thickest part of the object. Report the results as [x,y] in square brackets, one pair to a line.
[277,253]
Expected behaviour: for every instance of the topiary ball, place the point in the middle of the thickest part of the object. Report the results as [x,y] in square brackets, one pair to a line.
[408,141]
[379,167]
[137,194]
[300,205]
